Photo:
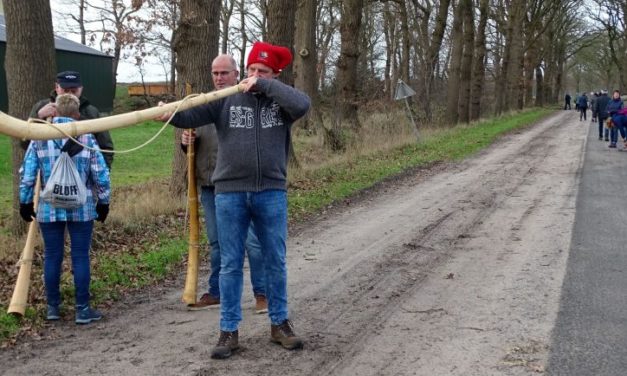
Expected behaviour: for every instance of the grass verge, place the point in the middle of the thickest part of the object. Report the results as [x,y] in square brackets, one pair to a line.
[313,190]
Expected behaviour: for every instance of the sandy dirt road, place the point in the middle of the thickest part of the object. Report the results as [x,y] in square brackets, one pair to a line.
[455,270]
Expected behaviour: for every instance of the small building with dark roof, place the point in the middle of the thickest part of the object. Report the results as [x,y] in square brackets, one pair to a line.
[95,67]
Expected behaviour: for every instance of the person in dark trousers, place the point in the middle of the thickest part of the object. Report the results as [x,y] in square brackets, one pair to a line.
[69,82]
[250,179]
[582,105]
[567,102]
[613,109]
[593,102]
[601,111]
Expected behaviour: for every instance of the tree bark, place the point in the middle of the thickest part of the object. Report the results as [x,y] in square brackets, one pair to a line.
[350,29]
[30,66]
[306,60]
[457,50]
[280,17]
[513,76]
[196,44]
[433,54]
[389,33]
[466,65]
[478,75]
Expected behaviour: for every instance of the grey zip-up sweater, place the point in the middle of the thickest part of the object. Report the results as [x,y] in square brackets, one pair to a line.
[253,135]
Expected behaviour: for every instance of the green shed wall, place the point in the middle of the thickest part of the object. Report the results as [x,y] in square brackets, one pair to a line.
[96,74]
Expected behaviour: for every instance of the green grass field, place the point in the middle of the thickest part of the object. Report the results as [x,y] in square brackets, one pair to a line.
[152,161]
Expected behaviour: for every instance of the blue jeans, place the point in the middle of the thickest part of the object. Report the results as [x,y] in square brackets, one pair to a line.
[620,125]
[53,234]
[253,248]
[267,210]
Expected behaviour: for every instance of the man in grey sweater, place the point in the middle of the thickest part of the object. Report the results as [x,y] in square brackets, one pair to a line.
[224,74]
[250,179]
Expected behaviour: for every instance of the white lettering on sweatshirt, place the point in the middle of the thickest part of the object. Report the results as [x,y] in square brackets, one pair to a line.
[241,117]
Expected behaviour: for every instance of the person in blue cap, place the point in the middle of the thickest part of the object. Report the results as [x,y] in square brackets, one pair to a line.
[69,82]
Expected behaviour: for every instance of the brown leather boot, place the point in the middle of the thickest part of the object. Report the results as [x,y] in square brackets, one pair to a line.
[261,304]
[284,335]
[227,343]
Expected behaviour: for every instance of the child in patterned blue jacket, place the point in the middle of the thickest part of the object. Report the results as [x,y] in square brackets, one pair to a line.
[39,159]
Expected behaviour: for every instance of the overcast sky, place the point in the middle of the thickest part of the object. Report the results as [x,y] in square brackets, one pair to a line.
[127,72]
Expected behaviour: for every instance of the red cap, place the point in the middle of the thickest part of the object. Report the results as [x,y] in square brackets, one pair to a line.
[275,57]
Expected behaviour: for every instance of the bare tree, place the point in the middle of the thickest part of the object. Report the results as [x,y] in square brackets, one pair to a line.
[158,25]
[465,73]
[228,7]
[478,74]
[305,60]
[280,17]
[30,67]
[612,14]
[457,50]
[389,33]
[196,44]
[116,21]
[350,28]
[328,24]
[433,46]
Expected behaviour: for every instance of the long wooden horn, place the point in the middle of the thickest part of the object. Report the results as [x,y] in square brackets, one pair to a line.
[17,306]
[21,129]
[191,280]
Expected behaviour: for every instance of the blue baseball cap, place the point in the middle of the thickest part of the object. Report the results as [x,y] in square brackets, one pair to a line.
[69,79]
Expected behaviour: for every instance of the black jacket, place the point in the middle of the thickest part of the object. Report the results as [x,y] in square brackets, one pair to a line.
[87,111]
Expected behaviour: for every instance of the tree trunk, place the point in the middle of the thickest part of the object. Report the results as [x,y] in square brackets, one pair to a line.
[226,20]
[196,44]
[244,36]
[513,75]
[466,66]
[389,32]
[81,22]
[433,55]
[30,66]
[478,75]
[457,50]
[306,60]
[350,30]
[404,61]
[280,17]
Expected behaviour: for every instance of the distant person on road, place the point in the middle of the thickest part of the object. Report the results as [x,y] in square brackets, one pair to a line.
[69,82]
[567,102]
[54,221]
[613,108]
[254,130]
[601,111]
[582,105]
[593,102]
[224,73]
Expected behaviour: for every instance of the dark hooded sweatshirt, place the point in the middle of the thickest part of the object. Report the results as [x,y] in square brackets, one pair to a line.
[253,135]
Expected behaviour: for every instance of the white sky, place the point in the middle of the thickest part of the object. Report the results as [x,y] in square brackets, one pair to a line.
[127,72]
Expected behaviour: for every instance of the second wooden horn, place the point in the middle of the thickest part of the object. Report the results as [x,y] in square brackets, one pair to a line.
[191,280]
[17,306]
